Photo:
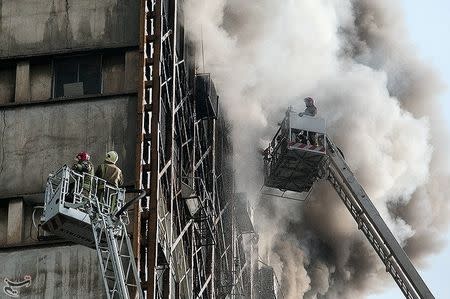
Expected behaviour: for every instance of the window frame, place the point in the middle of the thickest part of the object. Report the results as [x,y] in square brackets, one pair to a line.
[78,58]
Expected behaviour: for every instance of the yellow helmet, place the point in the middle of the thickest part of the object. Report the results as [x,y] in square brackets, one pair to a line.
[111,157]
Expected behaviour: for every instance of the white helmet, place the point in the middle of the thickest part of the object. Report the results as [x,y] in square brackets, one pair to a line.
[111,157]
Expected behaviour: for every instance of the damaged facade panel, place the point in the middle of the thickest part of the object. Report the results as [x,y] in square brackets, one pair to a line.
[43,78]
[48,26]
[53,272]
[37,140]
[41,81]
[113,73]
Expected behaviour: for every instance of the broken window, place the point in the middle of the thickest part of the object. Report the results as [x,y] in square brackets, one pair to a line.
[76,76]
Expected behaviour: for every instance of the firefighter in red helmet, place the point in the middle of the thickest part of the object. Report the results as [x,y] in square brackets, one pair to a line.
[311,109]
[84,166]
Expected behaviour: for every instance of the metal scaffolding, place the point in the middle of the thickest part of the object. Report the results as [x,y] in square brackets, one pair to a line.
[187,241]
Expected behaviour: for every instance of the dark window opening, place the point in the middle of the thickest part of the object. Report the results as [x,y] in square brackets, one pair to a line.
[78,76]
[7,83]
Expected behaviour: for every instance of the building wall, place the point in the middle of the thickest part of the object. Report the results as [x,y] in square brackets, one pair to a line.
[37,139]
[40,81]
[50,26]
[51,272]
[40,130]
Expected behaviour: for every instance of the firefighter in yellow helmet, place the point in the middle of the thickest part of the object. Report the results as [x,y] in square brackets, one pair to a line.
[112,174]
[109,171]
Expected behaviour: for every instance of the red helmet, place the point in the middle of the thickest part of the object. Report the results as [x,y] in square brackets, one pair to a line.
[309,101]
[83,156]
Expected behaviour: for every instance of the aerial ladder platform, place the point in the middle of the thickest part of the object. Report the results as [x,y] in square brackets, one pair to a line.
[87,210]
[299,155]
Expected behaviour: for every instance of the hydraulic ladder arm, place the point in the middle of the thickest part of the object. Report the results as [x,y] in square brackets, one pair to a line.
[76,210]
[370,222]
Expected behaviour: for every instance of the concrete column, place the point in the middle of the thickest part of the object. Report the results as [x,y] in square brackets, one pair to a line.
[3,224]
[7,84]
[41,81]
[131,71]
[15,221]
[23,89]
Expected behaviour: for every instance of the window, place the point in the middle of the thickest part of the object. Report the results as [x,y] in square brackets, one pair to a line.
[77,76]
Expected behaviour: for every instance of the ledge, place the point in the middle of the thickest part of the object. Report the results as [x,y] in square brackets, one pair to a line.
[60,100]
[69,51]
[36,244]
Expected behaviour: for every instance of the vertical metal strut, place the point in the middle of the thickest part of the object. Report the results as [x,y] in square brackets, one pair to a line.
[178,224]
[147,145]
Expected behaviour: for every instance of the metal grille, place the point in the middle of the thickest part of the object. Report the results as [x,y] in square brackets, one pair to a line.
[183,246]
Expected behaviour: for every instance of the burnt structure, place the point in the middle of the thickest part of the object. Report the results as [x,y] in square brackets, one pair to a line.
[117,75]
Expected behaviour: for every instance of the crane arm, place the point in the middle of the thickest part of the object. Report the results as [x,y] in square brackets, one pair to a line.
[370,222]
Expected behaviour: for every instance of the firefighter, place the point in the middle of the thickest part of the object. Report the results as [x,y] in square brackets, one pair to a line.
[311,109]
[82,166]
[112,174]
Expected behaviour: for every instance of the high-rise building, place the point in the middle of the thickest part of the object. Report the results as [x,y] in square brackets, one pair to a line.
[116,75]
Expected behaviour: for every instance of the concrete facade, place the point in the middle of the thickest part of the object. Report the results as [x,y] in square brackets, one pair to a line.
[41,81]
[113,73]
[23,90]
[15,221]
[29,81]
[50,26]
[37,140]
[52,272]
[40,132]
[131,70]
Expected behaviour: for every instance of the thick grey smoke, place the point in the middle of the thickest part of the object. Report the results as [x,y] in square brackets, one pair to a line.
[380,103]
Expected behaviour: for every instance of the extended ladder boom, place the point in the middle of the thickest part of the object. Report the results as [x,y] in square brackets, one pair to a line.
[370,222]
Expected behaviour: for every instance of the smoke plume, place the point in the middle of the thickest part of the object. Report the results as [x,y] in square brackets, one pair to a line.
[380,102]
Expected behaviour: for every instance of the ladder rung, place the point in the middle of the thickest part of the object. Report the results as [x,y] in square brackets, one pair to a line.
[144,214]
[148,61]
[125,256]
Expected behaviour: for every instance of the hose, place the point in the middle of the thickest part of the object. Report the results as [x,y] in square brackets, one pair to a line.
[141,195]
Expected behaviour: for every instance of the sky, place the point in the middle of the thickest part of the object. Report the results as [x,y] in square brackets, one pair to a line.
[428,23]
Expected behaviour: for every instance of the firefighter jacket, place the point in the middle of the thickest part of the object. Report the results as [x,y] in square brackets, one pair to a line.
[110,173]
[310,110]
[82,168]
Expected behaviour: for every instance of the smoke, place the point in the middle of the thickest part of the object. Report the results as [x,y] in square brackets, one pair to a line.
[380,102]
